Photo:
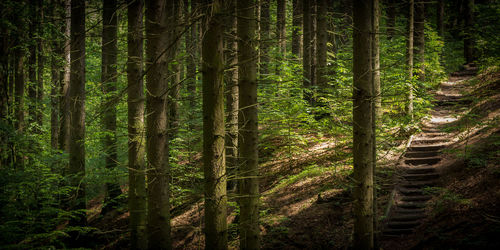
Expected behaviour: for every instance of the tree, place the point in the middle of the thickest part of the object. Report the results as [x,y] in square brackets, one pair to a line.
[265,20]
[109,78]
[306,58]
[214,129]
[376,104]
[322,38]
[440,18]
[137,183]
[281,27]
[157,61]
[419,38]
[64,103]
[40,63]
[469,30]
[409,57]
[56,53]
[362,125]
[248,176]
[77,107]
[391,18]
[297,26]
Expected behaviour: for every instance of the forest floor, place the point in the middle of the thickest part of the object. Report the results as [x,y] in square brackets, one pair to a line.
[306,197]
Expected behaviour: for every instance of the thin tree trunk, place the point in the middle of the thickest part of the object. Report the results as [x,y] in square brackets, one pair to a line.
[321,34]
[19,88]
[32,82]
[157,29]
[55,80]
[391,18]
[469,30]
[109,81]
[4,72]
[306,59]
[191,51]
[65,77]
[409,52]
[40,65]
[214,129]
[232,97]
[297,27]
[440,18]
[419,36]
[281,27]
[137,167]
[175,74]
[362,125]
[265,20]
[248,125]
[77,108]
[314,59]
[376,108]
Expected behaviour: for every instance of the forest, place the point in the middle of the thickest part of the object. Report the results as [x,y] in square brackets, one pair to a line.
[250,124]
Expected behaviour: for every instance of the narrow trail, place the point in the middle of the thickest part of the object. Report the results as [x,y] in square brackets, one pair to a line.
[417,169]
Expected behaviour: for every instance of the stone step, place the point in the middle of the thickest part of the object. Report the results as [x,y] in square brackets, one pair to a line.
[421,161]
[411,191]
[418,184]
[403,224]
[421,141]
[408,217]
[421,177]
[410,204]
[407,211]
[432,134]
[420,154]
[425,147]
[415,198]
[419,170]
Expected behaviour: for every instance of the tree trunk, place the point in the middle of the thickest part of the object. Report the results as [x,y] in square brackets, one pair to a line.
[213,129]
[376,107]
[314,59]
[157,61]
[137,167]
[409,51]
[248,125]
[362,125]
[469,32]
[65,78]
[281,27]
[265,19]
[19,87]
[419,36]
[57,51]
[391,18]
[77,108]
[297,26]
[232,97]
[191,62]
[440,18]
[109,81]
[32,82]
[175,73]
[306,59]
[40,66]
[321,34]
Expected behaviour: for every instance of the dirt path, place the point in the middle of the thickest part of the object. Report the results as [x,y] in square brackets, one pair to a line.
[417,170]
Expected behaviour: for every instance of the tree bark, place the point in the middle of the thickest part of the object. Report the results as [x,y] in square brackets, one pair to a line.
[77,108]
[297,27]
[265,38]
[321,34]
[362,125]
[57,51]
[157,61]
[306,59]
[137,167]
[391,18]
[469,30]
[376,108]
[232,97]
[109,81]
[440,18]
[248,125]
[32,65]
[192,55]
[65,80]
[40,65]
[19,87]
[281,27]
[175,73]
[419,36]
[409,56]
[214,129]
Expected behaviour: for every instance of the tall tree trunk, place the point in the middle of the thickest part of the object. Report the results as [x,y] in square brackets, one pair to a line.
[419,36]
[56,51]
[321,34]
[391,18]
[65,78]
[440,18]
[362,125]
[306,59]
[109,81]
[248,125]
[214,129]
[157,61]
[19,87]
[4,69]
[191,51]
[265,20]
[175,73]
[40,65]
[376,107]
[32,82]
[297,27]
[137,167]
[77,107]
[281,27]
[232,97]
[469,30]
[314,59]
[409,55]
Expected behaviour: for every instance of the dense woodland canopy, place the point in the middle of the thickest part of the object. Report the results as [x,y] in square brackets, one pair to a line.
[145,109]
